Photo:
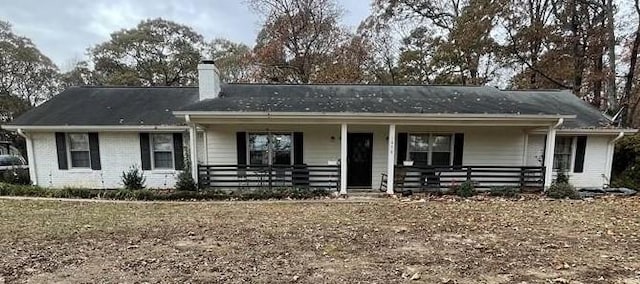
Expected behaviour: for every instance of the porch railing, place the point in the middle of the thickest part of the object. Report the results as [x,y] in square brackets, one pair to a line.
[483,177]
[261,176]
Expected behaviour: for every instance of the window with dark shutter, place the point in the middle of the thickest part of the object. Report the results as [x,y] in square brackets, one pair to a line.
[145,151]
[178,151]
[581,147]
[61,148]
[402,148]
[94,151]
[241,148]
[458,148]
[298,148]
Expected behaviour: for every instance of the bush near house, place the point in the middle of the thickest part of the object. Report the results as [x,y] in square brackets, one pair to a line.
[150,195]
[504,191]
[15,176]
[561,188]
[465,189]
[626,165]
[185,181]
[133,178]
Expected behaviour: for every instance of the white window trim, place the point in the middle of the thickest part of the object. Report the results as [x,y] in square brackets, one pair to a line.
[269,149]
[430,150]
[153,152]
[69,160]
[572,159]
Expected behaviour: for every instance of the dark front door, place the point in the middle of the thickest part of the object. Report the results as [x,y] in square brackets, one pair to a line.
[359,159]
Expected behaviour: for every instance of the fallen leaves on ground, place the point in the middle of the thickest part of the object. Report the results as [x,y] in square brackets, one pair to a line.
[378,241]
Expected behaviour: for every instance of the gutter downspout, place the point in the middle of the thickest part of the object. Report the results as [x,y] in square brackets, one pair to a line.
[193,148]
[609,163]
[549,151]
[31,159]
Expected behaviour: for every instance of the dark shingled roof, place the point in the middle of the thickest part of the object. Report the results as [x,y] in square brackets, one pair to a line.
[111,106]
[154,105]
[401,99]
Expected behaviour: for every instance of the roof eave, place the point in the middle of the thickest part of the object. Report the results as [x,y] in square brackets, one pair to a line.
[122,128]
[372,116]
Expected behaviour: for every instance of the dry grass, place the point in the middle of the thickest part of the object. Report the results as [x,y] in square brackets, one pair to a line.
[385,241]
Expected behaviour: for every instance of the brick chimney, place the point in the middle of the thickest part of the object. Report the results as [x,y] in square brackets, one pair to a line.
[208,80]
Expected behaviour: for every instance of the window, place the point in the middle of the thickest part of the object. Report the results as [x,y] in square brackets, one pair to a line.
[430,149]
[79,153]
[270,148]
[562,154]
[162,151]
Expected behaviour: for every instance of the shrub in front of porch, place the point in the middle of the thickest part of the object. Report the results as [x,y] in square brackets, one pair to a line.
[504,191]
[465,189]
[280,193]
[561,188]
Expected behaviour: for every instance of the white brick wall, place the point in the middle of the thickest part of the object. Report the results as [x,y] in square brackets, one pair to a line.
[118,151]
[483,146]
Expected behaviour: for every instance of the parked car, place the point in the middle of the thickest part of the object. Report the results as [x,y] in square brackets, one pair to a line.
[8,162]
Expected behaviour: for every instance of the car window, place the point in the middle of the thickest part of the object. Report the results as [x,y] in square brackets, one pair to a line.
[10,161]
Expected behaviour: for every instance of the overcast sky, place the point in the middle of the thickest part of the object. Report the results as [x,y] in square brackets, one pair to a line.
[64,29]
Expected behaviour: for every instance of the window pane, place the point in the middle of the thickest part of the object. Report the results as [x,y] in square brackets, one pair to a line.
[163,160]
[258,142]
[419,143]
[80,159]
[419,158]
[162,142]
[441,143]
[561,162]
[282,158]
[258,158]
[441,159]
[563,145]
[79,141]
[281,142]
[562,153]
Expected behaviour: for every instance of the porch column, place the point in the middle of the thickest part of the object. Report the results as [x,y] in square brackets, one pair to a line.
[343,159]
[193,150]
[391,158]
[548,156]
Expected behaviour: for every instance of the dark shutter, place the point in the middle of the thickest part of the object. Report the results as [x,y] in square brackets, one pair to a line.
[145,151]
[402,148]
[241,147]
[298,148]
[544,150]
[581,145]
[61,147]
[458,148]
[94,150]
[178,151]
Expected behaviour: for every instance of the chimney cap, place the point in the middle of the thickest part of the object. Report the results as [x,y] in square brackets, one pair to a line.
[207,61]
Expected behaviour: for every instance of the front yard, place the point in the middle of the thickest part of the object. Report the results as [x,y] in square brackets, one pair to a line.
[385,241]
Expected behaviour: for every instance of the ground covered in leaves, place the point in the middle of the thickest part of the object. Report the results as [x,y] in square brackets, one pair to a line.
[382,241]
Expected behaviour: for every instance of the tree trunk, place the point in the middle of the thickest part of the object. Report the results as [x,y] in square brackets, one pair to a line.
[627,96]
[597,83]
[578,48]
[611,45]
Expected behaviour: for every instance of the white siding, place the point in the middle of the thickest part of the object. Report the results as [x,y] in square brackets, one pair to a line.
[118,151]
[596,169]
[482,145]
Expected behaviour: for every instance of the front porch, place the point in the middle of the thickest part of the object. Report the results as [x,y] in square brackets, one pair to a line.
[419,155]
[407,178]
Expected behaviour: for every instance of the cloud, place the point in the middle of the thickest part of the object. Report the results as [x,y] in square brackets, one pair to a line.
[112,16]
